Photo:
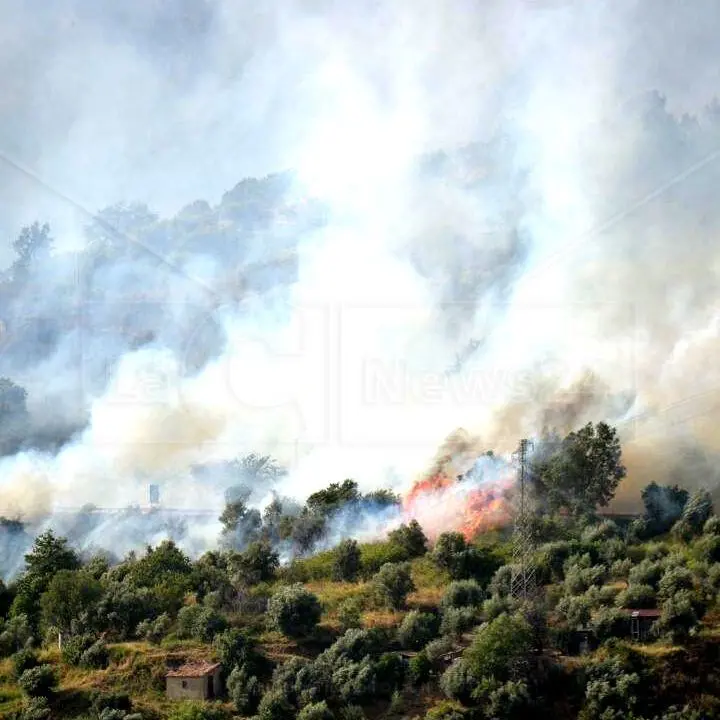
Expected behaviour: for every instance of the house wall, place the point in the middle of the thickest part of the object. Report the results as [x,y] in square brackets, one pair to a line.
[196,688]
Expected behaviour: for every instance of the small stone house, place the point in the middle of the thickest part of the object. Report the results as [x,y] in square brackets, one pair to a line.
[194,681]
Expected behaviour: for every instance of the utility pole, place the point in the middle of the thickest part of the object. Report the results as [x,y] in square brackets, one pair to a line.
[522,580]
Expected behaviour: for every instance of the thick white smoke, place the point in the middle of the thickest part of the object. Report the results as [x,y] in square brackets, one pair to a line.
[564,235]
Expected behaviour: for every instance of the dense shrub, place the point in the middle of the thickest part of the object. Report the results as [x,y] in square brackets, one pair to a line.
[316,711]
[447,710]
[419,669]
[680,616]
[458,682]
[499,586]
[347,561]
[244,690]
[417,629]
[390,671]
[575,611]
[462,561]
[96,656]
[410,538]
[674,580]
[456,621]
[74,647]
[350,614]
[196,711]
[234,648]
[22,661]
[35,708]
[610,623]
[16,634]
[646,573]
[393,583]
[712,526]
[637,596]
[38,681]
[462,593]
[294,611]
[374,555]
[154,630]
[496,606]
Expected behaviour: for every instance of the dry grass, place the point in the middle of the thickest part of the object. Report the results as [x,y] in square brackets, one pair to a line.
[382,618]
[332,594]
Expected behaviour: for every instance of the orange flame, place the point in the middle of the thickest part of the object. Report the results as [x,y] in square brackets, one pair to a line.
[441,503]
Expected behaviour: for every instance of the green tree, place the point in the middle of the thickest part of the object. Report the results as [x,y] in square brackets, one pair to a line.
[501,649]
[333,497]
[410,538]
[294,610]
[71,594]
[462,560]
[258,563]
[38,681]
[49,555]
[698,510]
[585,470]
[663,506]
[346,564]
[417,629]
[393,582]
[244,690]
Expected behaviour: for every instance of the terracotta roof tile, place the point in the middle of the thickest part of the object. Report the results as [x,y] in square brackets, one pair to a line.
[194,670]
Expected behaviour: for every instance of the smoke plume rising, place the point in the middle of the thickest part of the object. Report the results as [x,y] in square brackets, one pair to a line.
[532,181]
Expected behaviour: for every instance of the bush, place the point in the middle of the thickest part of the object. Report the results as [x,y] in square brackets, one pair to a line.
[712,526]
[500,584]
[390,671]
[458,682]
[610,623]
[436,649]
[637,596]
[294,611]
[462,593]
[347,561]
[646,573]
[679,617]
[235,649]
[316,711]
[620,569]
[22,661]
[410,538]
[417,629]
[575,610]
[374,555]
[456,621]
[111,701]
[96,656]
[419,669]
[462,561]
[154,630]
[16,634]
[38,681]
[446,710]
[393,583]
[499,646]
[707,548]
[350,614]
[196,711]
[274,706]
[496,606]
[74,647]
[674,580]
[36,708]
[244,690]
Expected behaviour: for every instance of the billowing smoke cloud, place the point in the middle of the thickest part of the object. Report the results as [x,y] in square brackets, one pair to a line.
[499,217]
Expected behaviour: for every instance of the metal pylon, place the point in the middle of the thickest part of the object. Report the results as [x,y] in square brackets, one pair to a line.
[523,583]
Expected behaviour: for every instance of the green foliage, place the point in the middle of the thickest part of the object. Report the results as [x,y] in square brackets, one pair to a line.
[584,471]
[447,710]
[200,623]
[462,561]
[499,646]
[610,623]
[390,671]
[350,614]
[417,629]
[707,548]
[459,682]
[374,555]
[74,646]
[610,689]
[96,656]
[347,561]
[437,649]
[663,507]
[674,580]
[235,648]
[680,616]
[70,595]
[411,539]
[646,573]
[316,711]
[419,669]
[38,681]
[16,635]
[462,593]
[697,511]
[712,526]
[22,661]
[637,597]
[36,708]
[575,610]
[189,710]
[154,630]
[274,706]
[294,611]
[160,564]
[258,563]
[456,621]
[503,701]
[244,690]
[393,583]
[333,497]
